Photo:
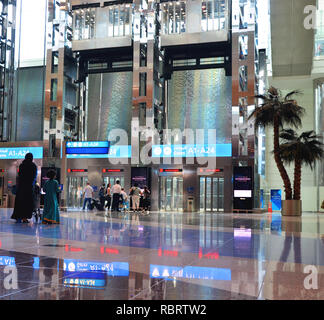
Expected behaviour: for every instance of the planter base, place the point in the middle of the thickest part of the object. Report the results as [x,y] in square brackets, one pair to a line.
[291,208]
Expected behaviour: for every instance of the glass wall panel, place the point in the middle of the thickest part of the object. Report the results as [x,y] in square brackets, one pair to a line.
[213,15]
[84,24]
[174,17]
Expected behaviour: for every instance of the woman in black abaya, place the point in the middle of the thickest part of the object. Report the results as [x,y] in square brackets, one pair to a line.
[24,202]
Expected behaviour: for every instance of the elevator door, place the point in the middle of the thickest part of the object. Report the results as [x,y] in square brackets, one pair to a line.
[76,186]
[171,193]
[112,181]
[211,194]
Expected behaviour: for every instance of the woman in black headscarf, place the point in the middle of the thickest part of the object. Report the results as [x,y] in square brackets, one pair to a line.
[24,202]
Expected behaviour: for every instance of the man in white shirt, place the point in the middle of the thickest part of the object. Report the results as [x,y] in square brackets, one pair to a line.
[116,191]
[88,195]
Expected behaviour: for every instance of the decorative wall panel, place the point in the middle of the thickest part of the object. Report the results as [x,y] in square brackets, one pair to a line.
[30,104]
[109,104]
[201,99]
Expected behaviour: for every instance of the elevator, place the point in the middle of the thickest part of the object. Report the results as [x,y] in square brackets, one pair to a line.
[76,186]
[211,194]
[171,193]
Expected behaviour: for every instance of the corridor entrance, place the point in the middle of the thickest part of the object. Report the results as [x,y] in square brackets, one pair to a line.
[211,194]
[171,193]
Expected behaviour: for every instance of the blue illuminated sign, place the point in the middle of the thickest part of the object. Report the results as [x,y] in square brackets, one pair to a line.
[19,153]
[88,147]
[189,272]
[192,150]
[7,261]
[81,282]
[276,200]
[117,269]
[116,151]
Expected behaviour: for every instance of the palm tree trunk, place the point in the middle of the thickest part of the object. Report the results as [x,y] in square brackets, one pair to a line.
[297,179]
[280,166]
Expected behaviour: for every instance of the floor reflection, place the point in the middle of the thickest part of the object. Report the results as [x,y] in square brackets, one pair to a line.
[168,256]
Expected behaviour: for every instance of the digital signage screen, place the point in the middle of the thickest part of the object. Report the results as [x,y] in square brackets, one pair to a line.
[243,188]
[88,147]
[115,151]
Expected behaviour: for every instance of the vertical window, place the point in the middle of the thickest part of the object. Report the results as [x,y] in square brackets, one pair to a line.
[216,15]
[177,17]
[171,18]
[121,20]
[126,20]
[53,89]
[116,19]
[142,114]
[183,17]
[222,12]
[243,78]
[52,117]
[204,16]
[54,62]
[243,47]
[210,13]
[77,25]
[111,23]
[56,35]
[165,18]
[143,55]
[52,147]
[142,84]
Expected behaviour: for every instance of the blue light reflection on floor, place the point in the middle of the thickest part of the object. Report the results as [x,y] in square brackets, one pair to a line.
[189,240]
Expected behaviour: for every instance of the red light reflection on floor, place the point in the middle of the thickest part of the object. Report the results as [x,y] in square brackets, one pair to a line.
[210,255]
[108,250]
[72,249]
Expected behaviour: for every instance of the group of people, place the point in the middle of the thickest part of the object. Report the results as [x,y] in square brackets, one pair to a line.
[28,194]
[115,198]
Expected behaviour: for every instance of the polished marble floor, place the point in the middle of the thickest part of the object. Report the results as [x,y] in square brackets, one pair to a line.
[170,255]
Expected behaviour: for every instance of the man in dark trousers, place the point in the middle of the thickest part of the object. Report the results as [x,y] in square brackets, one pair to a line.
[116,190]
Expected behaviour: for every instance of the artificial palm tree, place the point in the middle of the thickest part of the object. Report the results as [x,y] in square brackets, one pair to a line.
[275,111]
[304,149]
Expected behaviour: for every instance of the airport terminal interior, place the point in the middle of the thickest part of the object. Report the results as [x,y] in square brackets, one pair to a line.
[177,150]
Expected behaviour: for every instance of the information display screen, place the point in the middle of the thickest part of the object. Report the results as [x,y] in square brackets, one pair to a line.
[88,147]
[243,182]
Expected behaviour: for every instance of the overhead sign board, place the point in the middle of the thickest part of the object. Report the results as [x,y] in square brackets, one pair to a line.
[88,147]
[192,150]
[19,153]
[115,151]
